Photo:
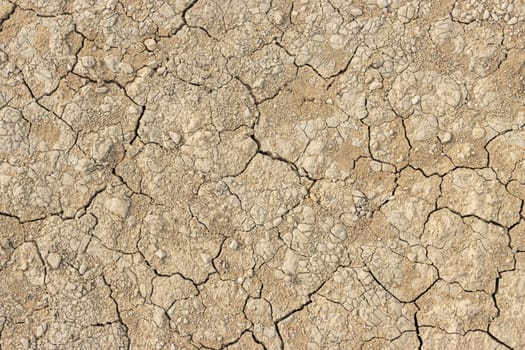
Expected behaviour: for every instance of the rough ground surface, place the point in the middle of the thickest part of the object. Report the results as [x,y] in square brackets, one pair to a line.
[262,174]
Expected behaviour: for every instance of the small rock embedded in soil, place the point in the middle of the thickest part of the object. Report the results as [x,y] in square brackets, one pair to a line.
[54,260]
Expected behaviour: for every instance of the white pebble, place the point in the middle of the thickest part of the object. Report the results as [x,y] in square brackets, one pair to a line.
[383,3]
[161,254]
[339,231]
[375,85]
[150,44]
[175,137]
[101,89]
[54,260]
[356,12]
[234,245]
[278,17]
[40,330]
[445,137]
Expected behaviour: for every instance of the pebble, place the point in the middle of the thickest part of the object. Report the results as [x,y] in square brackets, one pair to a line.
[383,3]
[143,291]
[40,330]
[101,89]
[356,12]
[445,137]
[161,254]
[4,243]
[234,245]
[175,137]
[339,231]
[278,17]
[150,44]
[375,85]
[54,260]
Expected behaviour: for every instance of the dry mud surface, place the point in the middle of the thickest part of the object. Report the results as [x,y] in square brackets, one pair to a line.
[262,174]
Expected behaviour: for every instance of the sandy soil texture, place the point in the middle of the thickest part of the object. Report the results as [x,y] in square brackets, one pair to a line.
[262,174]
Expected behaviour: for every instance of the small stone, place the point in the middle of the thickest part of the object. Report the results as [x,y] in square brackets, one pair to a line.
[375,85]
[512,21]
[339,231]
[82,269]
[383,3]
[415,100]
[234,245]
[4,243]
[175,137]
[356,12]
[54,260]
[143,291]
[278,17]
[150,44]
[445,137]
[101,89]
[161,254]
[259,83]
[40,330]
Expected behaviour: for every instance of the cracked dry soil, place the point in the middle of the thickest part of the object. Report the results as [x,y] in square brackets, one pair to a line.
[262,174]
